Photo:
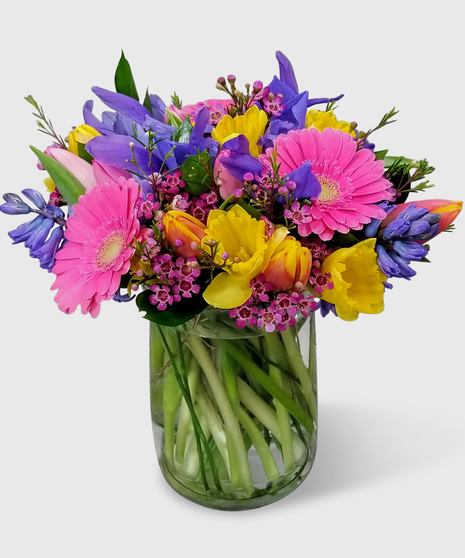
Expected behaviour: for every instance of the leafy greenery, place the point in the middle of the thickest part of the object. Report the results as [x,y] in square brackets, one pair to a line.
[124,81]
[45,126]
[176,314]
[176,100]
[197,173]
[387,119]
[403,172]
[68,185]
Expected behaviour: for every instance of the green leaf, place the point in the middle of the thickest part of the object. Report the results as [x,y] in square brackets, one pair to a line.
[250,210]
[380,155]
[68,185]
[83,153]
[345,240]
[196,173]
[176,314]
[183,132]
[172,119]
[147,102]
[124,82]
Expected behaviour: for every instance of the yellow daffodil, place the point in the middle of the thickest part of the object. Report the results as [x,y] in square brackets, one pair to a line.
[358,281]
[251,125]
[320,120]
[81,134]
[240,242]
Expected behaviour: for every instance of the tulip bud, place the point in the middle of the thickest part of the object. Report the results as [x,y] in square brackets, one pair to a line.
[447,209]
[226,182]
[182,231]
[81,135]
[289,267]
[108,174]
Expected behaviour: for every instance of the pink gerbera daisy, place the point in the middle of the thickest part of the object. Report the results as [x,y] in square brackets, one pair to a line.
[90,264]
[352,181]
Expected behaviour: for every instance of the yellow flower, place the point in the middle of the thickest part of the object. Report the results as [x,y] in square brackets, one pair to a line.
[251,125]
[49,184]
[81,134]
[358,281]
[320,120]
[242,240]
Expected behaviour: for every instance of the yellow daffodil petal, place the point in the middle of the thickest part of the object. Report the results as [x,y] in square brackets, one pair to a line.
[251,125]
[227,291]
[358,281]
[321,119]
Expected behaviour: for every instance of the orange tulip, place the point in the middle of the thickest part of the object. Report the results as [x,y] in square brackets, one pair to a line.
[183,232]
[289,267]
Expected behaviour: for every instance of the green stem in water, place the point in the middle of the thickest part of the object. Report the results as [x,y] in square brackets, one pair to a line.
[214,424]
[265,414]
[260,444]
[231,423]
[283,417]
[157,353]
[185,421]
[247,363]
[198,432]
[300,370]
[192,460]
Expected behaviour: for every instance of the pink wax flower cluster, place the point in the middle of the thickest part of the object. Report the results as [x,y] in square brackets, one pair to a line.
[262,203]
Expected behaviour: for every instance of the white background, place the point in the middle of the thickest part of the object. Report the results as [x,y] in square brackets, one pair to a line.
[78,471]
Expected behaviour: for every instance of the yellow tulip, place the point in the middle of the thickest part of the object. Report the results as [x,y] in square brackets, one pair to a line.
[251,125]
[289,266]
[81,134]
[358,281]
[241,243]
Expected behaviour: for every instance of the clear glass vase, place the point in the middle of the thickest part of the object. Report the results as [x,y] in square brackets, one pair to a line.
[234,411]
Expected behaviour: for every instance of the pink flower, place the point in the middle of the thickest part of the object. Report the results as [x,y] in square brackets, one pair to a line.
[226,182]
[352,181]
[97,252]
[88,174]
[217,108]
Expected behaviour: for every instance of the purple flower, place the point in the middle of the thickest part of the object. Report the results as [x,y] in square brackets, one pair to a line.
[400,242]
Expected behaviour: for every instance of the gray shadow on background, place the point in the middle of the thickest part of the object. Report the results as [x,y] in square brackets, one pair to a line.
[361,446]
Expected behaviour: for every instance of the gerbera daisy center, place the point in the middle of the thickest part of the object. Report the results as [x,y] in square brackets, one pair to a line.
[329,189]
[109,250]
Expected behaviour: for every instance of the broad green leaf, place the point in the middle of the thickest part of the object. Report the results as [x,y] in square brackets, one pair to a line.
[124,82]
[196,173]
[250,210]
[176,314]
[380,155]
[83,153]
[68,185]
[172,119]
[183,132]
[147,102]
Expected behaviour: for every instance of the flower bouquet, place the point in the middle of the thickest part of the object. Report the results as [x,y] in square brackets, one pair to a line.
[230,222]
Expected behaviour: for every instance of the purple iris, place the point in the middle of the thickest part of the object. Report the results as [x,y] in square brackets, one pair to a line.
[41,235]
[400,242]
[131,123]
[240,162]
[295,103]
